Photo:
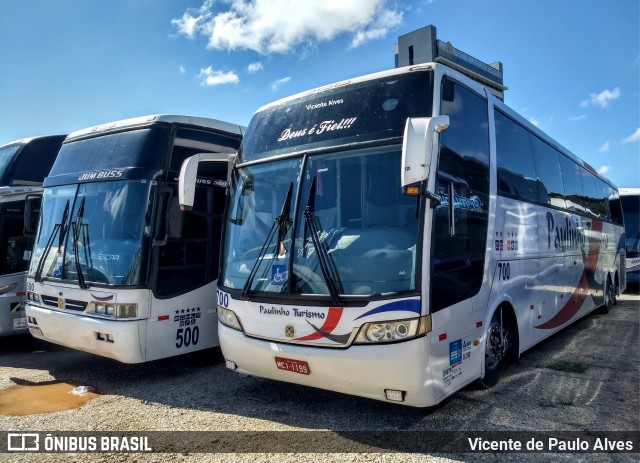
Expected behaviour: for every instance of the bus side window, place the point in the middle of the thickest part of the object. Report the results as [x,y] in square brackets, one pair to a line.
[514,158]
[184,262]
[457,259]
[13,245]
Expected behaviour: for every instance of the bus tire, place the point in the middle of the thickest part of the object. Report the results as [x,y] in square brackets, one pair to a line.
[609,297]
[499,345]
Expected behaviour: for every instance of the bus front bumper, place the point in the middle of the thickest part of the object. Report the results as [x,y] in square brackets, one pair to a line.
[361,370]
[119,340]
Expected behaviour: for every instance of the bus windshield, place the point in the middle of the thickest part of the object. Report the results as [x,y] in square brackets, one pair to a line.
[94,233]
[7,154]
[349,231]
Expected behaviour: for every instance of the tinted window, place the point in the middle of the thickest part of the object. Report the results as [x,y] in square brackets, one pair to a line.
[35,161]
[631,210]
[371,110]
[136,148]
[602,200]
[7,153]
[550,188]
[590,192]
[12,242]
[573,193]
[191,261]
[514,155]
[458,259]
[615,207]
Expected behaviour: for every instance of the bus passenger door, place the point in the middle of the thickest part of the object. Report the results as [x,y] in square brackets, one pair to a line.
[459,241]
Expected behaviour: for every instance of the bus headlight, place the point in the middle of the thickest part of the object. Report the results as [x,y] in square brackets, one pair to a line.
[33,297]
[113,310]
[393,331]
[228,318]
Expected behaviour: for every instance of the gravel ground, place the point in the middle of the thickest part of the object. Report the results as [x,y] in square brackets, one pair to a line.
[544,391]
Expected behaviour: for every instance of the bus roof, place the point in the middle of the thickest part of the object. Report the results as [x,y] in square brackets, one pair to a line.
[168,118]
[24,141]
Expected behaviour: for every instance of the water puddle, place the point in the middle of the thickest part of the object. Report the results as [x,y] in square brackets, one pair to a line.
[31,399]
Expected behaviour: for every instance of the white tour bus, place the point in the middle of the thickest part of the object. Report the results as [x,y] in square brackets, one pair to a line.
[117,270]
[630,198]
[399,235]
[23,166]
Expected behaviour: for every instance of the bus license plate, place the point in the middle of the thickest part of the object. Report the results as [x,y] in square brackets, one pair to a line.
[297,366]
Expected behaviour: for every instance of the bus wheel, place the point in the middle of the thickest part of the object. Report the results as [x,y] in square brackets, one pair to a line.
[497,347]
[609,297]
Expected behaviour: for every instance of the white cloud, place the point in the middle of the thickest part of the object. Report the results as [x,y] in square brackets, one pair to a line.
[193,20]
[279,26]
[378,29]
[535,121]
[254,67]
[634,137]
[602,99]
[578,118]
[182,70]
[606,146]
[209,77]
[603,170]
[276,84]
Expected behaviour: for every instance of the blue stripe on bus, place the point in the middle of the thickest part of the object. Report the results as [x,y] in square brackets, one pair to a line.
[410,305]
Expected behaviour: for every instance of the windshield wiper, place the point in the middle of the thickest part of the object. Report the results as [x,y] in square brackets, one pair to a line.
[281,224]
[77,225]
[58,228]
[326,264]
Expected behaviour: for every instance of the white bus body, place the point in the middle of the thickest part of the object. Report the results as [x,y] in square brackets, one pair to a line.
[117,270]
[23,166]
[346,266]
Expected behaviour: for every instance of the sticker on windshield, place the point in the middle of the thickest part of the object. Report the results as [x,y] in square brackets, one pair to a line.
[57,272]
[278,274]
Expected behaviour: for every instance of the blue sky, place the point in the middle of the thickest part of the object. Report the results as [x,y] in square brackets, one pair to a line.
[572,67]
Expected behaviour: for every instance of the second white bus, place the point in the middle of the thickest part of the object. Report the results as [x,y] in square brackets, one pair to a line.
[117,270]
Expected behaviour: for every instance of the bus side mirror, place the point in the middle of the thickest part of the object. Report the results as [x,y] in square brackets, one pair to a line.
[189,175]
[32,206]
[418,147]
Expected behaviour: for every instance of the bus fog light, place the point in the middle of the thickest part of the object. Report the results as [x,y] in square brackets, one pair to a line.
[127,310]
[231,365]
[394,395]
[109,338]
[229,318]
